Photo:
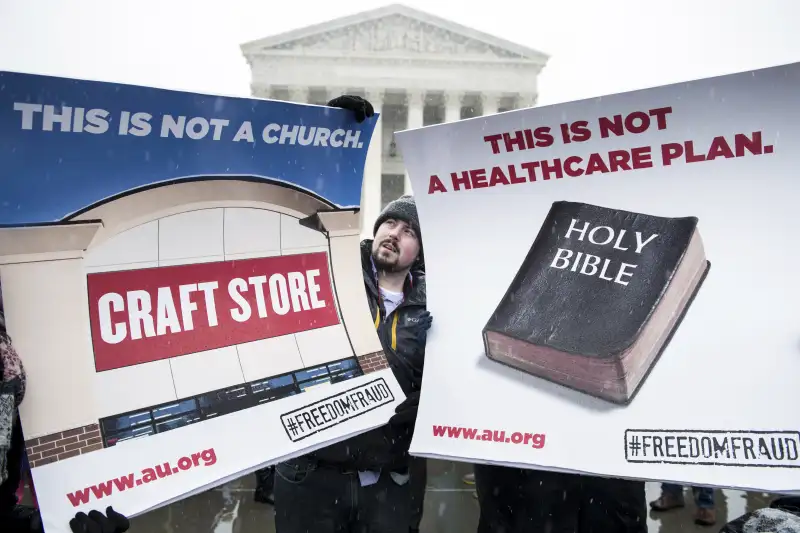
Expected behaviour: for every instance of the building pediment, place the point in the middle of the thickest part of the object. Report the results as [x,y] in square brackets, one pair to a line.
[395,34]
[394,31]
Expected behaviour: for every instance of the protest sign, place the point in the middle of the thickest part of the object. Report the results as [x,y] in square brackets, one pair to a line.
[181,275]
[613,282]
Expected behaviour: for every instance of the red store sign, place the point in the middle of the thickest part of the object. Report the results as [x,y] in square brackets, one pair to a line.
[138,316]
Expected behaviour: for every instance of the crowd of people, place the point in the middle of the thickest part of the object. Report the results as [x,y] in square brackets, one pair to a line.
[369,483]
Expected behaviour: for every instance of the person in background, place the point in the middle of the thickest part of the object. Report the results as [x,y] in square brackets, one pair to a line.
[513,500]
[14,517]
[469,479]
[369,483]
[672,498]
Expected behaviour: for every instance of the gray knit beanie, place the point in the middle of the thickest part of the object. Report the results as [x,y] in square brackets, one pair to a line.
[405,209]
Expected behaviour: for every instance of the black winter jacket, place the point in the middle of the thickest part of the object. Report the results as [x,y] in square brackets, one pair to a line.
[386,447]
[399,332]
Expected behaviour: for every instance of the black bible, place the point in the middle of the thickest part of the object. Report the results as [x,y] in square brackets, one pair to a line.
[597,298]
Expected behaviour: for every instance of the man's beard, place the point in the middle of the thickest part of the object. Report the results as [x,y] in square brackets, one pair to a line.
[386,265]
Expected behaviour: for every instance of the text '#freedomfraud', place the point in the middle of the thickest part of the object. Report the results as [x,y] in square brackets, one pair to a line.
[766,449]
[336,409]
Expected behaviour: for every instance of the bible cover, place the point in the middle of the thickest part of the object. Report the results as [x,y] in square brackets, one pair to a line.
[597,298]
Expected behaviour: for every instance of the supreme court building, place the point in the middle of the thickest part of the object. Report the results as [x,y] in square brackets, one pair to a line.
[416,69]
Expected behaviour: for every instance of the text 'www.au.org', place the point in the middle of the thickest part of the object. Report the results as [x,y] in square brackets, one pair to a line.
[148,475]
[534,440]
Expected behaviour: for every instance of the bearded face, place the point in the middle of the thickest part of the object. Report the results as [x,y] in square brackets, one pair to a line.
[395,247]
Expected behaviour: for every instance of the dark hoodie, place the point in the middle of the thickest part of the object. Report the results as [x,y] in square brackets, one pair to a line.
[387,447]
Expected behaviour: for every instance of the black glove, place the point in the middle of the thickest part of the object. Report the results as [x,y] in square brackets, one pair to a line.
[361,107]
[97,522]
[422,326]
[400,428]
[405,414]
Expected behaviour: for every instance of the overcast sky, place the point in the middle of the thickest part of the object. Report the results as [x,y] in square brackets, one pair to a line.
[596,46]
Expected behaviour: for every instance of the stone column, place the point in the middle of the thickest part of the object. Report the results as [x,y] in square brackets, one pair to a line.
[259,91]
[373,169]
[415,100]
[299,95]
[526,100]
[452,106]
[490,103]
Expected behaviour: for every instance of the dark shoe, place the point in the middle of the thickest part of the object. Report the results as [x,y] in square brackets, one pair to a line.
[705,516]
[667,502]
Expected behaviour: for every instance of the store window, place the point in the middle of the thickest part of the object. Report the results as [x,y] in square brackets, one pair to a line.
[274,388]
[344,370]
[173,415]
[127,426]
[225,401]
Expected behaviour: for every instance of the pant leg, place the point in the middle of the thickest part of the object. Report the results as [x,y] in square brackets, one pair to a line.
[8,490]
[551,503]
[672,489]
[310,499]
[611,505]
[265,479]
[498,493]
[384,507]
[418,470]
[703,497]
[265,484]
[521,501]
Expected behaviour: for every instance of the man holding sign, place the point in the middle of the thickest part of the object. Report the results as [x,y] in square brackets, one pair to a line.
[370,481]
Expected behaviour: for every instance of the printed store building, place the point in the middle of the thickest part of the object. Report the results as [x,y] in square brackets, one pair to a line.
[181,303]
